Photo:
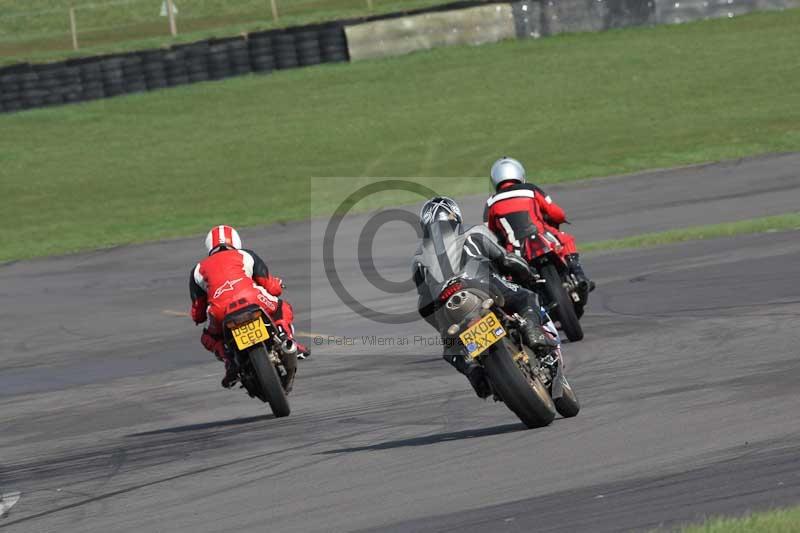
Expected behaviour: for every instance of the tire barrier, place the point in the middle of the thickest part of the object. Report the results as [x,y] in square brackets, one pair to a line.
[283,45]
[26,86]
[262,56]
[333,45]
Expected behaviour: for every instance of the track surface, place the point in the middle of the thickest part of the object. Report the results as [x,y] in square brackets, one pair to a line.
[112,419]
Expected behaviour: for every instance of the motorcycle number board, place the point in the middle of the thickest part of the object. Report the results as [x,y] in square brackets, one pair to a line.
[250,334]
[482,334]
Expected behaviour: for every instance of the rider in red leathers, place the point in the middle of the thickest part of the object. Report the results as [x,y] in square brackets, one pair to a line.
[520,210]
[231,274]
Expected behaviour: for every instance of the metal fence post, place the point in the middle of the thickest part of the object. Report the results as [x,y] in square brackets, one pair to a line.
[73,25]
[173,29]
[274,5]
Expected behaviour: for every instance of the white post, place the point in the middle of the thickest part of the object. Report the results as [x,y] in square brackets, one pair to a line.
[73,27]
[274,5]
[369,5]
[173,30]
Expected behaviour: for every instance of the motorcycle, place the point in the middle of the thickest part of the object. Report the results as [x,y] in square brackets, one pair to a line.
[532,385]
[561,291]
[265,356]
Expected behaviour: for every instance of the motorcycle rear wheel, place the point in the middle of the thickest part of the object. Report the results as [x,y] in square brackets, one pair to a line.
[565,310]
[269,381]
[527,398]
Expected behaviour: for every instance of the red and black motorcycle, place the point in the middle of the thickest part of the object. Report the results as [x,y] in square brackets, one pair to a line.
[560,291]
[265,356]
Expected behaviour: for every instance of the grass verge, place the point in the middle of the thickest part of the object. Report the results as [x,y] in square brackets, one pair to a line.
[242,151]
[790,221]
[777,521]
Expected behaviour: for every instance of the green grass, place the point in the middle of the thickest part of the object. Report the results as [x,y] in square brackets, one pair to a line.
[38,30]
[790,221]
[172,163]
[777,521]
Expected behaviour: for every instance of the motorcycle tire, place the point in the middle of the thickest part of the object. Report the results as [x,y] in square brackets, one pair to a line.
[567,405]
[565,310]
[269,381]
[529,400]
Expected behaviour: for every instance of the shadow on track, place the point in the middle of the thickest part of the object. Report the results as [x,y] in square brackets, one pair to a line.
[433,439]
[205,425]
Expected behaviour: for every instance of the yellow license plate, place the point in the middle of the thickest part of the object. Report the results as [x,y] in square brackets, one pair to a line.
[487,331]
[250,334]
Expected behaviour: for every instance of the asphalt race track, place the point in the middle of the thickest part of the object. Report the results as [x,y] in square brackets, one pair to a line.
[112,418]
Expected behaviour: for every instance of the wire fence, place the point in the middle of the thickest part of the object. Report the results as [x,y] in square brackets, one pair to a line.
[82,25]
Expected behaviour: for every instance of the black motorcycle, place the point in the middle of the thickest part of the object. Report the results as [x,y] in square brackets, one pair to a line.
[265,356]
[532,385]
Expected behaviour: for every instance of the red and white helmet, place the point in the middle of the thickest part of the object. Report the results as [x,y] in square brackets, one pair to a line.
[220,236]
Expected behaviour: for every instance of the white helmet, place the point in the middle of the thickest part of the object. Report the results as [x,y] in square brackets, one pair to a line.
[507,169]
[222,236]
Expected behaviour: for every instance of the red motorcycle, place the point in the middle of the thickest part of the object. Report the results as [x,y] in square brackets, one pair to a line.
[265,356]
[560,290]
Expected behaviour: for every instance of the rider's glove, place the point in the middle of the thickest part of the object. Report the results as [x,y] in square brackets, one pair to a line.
[273,284]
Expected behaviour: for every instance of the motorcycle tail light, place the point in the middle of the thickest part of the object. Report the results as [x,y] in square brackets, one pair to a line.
[539,245]
[241,320]
[449,291]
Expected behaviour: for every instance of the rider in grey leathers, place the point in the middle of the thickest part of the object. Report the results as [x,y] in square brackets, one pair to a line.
[447,251]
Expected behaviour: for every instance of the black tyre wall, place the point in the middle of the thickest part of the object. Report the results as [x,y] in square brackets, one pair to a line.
[26,86]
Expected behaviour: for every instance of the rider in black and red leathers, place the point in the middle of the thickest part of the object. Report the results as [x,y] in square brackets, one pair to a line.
[520,210]
[232,274]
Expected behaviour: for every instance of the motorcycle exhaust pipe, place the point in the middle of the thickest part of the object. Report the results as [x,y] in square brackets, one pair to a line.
[289,347]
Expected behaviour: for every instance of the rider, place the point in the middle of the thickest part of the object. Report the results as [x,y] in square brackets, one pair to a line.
[518,210]
[230,274]
[447,250]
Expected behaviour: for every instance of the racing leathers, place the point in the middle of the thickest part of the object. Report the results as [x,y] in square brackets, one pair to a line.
[476,257]
[518,211]
[229,279]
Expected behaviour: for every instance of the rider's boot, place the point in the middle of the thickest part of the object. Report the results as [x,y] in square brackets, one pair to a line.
[231,374]
[215,345]
[302,351]
[585,285]
[534,335]
[231,370]
[474,372]
[477,378]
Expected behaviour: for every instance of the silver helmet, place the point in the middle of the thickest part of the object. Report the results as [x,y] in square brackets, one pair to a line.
[507,169]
